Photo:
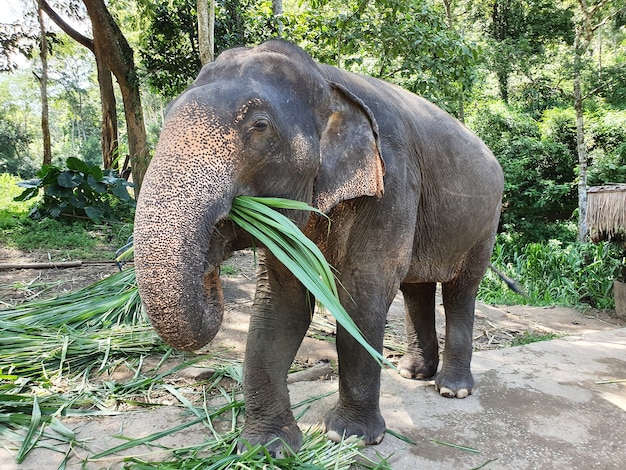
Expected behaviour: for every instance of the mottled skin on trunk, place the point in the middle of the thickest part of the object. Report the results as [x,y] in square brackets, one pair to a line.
[413,198]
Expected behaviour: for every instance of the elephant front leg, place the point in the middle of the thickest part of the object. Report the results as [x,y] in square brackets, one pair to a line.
[357,412]
[455,377]
[422,356]
[280,319]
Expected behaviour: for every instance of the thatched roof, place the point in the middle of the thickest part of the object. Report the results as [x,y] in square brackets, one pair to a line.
[606,212]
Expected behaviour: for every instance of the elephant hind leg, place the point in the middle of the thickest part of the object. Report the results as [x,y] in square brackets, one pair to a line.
[455,378]
[422,356]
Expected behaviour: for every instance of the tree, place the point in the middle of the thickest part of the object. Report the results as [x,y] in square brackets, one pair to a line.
[590,19]
[111,45]
[43,85]
[75,104]
[109,132]
[114,54]
[19,38]
[277,11]
[449,7]
[518,34]
[407,42]
[14,140]
[206,30]
[169,46]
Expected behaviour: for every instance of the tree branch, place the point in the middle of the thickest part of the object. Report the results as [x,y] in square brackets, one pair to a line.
[61,23]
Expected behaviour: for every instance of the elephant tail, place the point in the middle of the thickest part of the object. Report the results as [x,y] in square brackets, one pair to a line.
[512,284]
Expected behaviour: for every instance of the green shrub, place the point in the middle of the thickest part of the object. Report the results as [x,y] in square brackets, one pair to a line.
[554,273]
[559,125]
[539,192]
[607,142]
[80,191]
[14,140]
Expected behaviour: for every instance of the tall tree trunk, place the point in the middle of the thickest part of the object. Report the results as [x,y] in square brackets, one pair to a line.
[582,40]
[43,86]
[206,30]
[582,158]
[277,11]
[448,7]
[111,45]
[109,125]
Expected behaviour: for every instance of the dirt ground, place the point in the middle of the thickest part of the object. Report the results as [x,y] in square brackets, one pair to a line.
[495,326]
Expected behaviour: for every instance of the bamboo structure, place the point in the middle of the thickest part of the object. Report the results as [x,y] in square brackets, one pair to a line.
[606,213]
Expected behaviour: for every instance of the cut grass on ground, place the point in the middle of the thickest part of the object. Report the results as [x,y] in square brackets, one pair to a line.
[55,356]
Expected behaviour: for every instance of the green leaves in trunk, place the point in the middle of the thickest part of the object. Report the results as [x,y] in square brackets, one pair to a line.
[299,254]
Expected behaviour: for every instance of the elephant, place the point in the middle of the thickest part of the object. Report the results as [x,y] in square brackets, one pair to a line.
[413,198]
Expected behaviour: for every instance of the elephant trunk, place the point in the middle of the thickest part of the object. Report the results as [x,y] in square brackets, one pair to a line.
[181,200]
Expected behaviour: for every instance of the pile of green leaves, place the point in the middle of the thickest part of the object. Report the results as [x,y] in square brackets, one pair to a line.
[80,191]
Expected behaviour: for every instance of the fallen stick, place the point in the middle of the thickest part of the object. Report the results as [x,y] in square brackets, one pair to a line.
[57,264]
[311,374]
[48,265]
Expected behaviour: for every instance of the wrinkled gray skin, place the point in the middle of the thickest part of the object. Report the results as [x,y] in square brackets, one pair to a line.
[414,199]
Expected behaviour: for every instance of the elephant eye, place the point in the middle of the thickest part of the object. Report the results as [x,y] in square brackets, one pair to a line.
[259,125]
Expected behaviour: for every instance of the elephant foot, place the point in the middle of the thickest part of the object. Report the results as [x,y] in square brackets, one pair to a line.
[414,367]
[280,443]
[454,385]
[369,427]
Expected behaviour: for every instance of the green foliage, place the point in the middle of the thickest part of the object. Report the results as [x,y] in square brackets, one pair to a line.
[368,37]
[62,240]
[48,234]
[14,142]
[76,240]
[80,337]
[559,125]
[537,96]
[607,138]
[9,207]
[611,83]
[531,337]
[518,34]
[539,192]
[301,256]
[554,273]
[405,42]
[170,53]
[75,104]
[80,191]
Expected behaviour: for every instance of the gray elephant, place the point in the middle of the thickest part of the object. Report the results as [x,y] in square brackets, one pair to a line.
[413,197]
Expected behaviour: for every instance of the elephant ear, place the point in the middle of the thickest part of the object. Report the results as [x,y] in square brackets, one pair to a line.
[351,163]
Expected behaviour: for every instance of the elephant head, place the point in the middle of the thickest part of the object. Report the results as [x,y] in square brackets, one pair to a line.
[260,122]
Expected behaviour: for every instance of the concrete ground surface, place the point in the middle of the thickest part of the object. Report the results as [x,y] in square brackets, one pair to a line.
[556,404]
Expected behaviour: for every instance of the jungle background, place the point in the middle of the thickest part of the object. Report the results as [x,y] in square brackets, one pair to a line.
[542,82]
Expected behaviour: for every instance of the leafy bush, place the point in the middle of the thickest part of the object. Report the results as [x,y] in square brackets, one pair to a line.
[559,125]
[607,138]
[14,147]
[555,274]
[80,191]
[539,193]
